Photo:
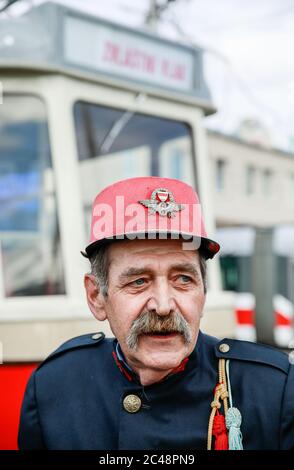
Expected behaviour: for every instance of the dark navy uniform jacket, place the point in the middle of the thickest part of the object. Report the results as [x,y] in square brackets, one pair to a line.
[74,400]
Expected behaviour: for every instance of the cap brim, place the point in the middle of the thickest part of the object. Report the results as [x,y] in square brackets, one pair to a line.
[208,247]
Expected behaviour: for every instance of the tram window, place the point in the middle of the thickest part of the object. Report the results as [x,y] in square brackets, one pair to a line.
[29,234]
[229,272]
[116,144]
[236,273]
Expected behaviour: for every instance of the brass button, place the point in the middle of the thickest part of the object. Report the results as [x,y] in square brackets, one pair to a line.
[224,348]
[96,336]
[132,403]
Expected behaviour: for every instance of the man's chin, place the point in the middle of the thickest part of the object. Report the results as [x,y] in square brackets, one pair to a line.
[164,351]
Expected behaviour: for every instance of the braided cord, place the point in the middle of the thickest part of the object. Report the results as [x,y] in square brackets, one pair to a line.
[221,393]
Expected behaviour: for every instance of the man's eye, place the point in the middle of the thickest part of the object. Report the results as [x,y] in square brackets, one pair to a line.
[185,279]
[139,282]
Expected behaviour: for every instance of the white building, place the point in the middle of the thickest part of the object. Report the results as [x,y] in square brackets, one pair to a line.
[252,185]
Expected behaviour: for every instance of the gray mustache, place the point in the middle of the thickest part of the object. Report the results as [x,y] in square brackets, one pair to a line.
[151,323]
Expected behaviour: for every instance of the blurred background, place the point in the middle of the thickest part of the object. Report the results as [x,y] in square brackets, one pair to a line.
[92,92]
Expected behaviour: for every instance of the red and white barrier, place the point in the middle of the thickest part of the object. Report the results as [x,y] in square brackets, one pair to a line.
[284,313]
[245,319]
[245,316]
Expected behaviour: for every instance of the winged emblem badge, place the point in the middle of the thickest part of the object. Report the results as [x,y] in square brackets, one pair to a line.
[163,202]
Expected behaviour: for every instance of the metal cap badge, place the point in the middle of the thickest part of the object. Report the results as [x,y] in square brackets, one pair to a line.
[165,205]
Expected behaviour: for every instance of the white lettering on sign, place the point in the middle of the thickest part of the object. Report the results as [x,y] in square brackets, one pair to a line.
[123,53]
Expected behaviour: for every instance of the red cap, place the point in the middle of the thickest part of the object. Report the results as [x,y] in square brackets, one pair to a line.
[149,207]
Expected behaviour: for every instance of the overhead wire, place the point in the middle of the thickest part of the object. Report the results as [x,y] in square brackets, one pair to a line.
[243,86]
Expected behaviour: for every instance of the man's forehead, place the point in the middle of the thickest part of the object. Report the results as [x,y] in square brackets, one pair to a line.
[149,249]
[151,256]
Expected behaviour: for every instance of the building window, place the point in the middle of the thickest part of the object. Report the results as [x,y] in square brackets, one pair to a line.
[267,177]
[291,187]
[220,174]
[250,180]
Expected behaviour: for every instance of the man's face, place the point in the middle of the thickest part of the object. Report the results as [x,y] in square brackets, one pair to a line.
[154,286]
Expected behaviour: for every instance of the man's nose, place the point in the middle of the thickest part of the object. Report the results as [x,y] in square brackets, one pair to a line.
[161,300]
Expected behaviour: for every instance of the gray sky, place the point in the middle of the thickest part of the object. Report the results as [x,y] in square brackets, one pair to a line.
[250,66]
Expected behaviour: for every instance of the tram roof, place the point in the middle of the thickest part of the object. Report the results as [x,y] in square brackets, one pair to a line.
[53,38]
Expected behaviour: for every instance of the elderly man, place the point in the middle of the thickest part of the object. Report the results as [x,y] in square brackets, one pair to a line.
[160,383]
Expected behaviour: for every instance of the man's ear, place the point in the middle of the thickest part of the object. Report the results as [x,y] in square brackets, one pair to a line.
[95,299]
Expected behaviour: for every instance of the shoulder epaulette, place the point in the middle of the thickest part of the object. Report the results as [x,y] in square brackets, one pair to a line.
[91,339]
[253,352]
